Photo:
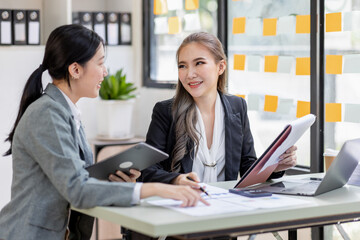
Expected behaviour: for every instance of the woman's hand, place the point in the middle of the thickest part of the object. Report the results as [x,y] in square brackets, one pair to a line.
[184,179]
[189,196]
[119,176]
[287,159]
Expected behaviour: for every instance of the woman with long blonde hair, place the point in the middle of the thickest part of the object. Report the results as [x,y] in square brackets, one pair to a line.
[205,131]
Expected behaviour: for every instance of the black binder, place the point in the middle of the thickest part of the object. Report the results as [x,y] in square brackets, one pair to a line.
[33,27]
[83,18]
[112,28]
[19,27]
[125,28]
[5,27]
[99,24]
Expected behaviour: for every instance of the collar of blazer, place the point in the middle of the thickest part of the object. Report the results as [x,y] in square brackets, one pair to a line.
[52,91]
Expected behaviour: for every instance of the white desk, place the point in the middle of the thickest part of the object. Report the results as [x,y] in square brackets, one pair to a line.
[340,205]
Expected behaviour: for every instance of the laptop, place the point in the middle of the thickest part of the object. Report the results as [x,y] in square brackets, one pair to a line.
[262,168]
[337,176]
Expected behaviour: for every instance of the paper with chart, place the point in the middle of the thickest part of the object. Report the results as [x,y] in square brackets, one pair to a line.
[221,201]
[298,128]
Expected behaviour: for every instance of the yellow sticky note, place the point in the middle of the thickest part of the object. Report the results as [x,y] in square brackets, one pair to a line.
[303,108]
[271,63]
[271,103]
[303,24]
[303,66]
[160,7]
[269,26]
[191,4]
[239,25]
[174,25]
[240,95]
[333,22]
[239,62]
[333,112]
[333,64]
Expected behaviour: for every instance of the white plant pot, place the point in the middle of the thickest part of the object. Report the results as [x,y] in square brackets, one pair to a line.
[114,118]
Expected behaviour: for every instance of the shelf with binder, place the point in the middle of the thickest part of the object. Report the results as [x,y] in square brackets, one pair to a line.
[113,27]
[30,23]
[19,27]
[111,19]
[56,13]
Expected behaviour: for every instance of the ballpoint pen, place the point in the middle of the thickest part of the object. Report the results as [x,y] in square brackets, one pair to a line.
[201,188]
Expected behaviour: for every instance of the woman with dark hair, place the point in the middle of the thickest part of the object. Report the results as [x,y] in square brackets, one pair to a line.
[49,150]
[205,131]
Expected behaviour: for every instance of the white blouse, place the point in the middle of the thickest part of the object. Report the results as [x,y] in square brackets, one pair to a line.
[209,164]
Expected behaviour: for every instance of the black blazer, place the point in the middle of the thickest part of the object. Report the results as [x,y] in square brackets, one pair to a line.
[239,144]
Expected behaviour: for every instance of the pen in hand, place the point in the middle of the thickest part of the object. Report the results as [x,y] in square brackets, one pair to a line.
[201,189]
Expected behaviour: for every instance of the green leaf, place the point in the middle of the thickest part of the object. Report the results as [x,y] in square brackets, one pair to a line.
[116,87]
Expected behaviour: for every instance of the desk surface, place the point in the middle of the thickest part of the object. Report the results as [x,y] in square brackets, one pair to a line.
[338,205]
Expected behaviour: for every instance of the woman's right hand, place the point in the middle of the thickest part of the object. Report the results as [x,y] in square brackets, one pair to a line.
[189,196]
[184,179]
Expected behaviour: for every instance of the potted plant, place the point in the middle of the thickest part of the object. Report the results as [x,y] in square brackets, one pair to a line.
[115,108]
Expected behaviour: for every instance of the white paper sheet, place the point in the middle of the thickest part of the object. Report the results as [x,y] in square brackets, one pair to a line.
[161,25]
[351,63]
[286,25]
[20,32]
[285,105]
[254,27]
[253,102]
[253,63]
[351,20]
[34,33]
[113,33]
[100,30]
[174,5]
[192,22]
[221,201]
[298,128]
[5,32]
[352,113]
[285,64]
[125,33]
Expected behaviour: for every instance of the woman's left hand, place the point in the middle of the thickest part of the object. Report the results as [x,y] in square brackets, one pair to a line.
[119,176]
[287,159]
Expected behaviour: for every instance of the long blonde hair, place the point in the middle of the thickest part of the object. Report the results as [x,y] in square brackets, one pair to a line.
[184,109]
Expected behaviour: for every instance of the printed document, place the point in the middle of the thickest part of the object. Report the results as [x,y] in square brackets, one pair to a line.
[221,201]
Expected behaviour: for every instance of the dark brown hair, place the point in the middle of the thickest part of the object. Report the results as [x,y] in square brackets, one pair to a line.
[66,44]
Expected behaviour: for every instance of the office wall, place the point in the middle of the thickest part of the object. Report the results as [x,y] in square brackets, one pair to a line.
[17,63]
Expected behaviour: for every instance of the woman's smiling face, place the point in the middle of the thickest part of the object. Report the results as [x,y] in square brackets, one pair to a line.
[198,72]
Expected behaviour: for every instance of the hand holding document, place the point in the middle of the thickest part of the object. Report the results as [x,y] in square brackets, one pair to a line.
[262,168]
[298,128]
[221,201]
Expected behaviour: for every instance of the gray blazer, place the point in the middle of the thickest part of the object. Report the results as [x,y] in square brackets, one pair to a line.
[49,175]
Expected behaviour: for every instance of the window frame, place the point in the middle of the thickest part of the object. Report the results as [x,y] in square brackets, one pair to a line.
[148,18]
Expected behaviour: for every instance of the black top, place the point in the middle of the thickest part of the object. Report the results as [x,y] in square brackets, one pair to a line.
[239,144]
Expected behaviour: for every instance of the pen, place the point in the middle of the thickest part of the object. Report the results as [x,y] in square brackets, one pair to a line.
[201,189]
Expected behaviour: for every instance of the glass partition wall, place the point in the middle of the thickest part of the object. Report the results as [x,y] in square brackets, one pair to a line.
[341,83]
[342,57]
[269,65]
